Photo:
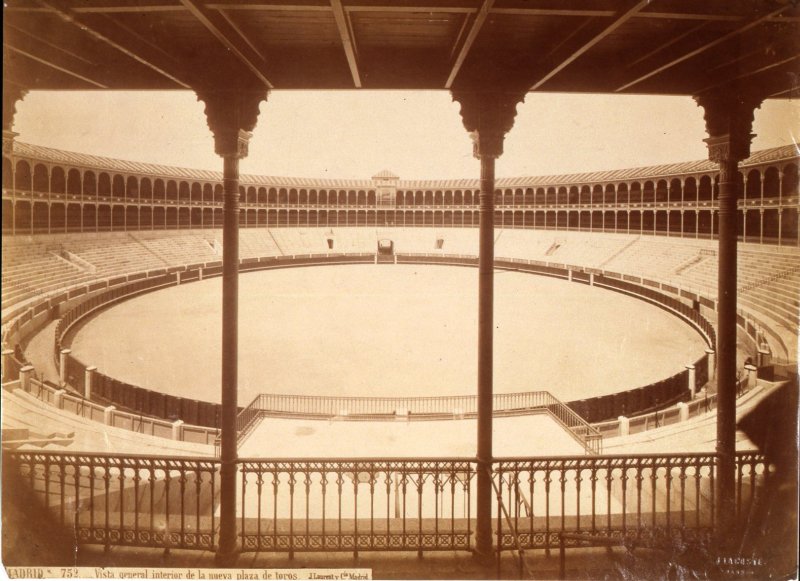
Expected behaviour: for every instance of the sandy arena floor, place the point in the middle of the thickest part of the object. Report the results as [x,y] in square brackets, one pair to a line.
[386,330]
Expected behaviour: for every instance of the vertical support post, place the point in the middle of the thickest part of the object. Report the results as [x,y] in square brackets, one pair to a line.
[488,117]
[624,426]
[712,363]
[62,365]
[88,381]
[692,380]
[231,115]
[485,354]
[8,355]
[729,119]
[25,378]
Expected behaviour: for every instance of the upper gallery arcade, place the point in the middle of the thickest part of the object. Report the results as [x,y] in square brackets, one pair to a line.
[52,191]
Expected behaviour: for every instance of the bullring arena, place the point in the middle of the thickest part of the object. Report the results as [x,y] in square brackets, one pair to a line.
[355,345]
[589,375]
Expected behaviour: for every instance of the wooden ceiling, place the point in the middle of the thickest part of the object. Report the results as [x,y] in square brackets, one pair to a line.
[673,47]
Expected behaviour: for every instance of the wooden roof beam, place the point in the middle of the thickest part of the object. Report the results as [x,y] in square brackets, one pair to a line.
[133,50]
[348,40]
[620,19]
[50,64]
[693,53]
[242,51]
[477,24]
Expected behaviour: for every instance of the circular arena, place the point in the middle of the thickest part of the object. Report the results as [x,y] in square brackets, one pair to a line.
[357,334]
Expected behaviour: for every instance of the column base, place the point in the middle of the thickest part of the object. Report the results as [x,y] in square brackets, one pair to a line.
[227,558]
[485,559]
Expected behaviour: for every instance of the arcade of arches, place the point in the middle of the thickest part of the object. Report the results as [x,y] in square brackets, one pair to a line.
[42,196]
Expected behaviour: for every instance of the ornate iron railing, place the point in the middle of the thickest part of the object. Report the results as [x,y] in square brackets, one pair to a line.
[617,496]
[109,500]
[354,505]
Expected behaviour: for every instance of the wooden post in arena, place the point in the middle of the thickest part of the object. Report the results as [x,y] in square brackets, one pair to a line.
[231,116]
[488,117]
[729,120]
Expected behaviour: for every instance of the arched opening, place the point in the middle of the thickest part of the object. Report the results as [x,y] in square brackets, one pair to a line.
[704,192]
[648,193]
[22,177]
[690,190]
[789,184]
[184,217]
[171,217]
[118,218]
[74,183]
[675,190]
[622,221]
[635,195]
[58,181]
[789,226]
[118,186]
[197,192]
[610,195]
[159,217]
[8,178]
[89,217]
[752,189]
[41,183]
[159,191]
[184,193]
[597,195]
[73,220]
[103,185]
[662,195]
[89,184]
[771,227]
[131,218]
[41,217]
[146,189]
[145,218]
[172,190]
[104,218]
[622,195]
[772,187]
[22,217]
[132,188]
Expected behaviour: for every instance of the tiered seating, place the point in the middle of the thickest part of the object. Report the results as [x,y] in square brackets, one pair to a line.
[302,241]
[656,258]
[254,243]
[23,411]
[33,270]
[768,284]
[178,249]
[121,256]
[768,278]
[577,249]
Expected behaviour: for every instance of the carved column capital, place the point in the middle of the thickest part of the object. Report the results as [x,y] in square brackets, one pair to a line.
[232,116]
[488,116]
[729,120]
[11,95]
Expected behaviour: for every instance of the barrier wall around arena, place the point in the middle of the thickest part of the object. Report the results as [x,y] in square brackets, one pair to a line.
[136,399]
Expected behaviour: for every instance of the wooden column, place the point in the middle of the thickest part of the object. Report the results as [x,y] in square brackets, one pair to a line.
[231,116]
[488,117]
[729,119]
